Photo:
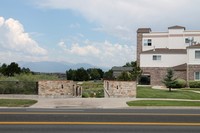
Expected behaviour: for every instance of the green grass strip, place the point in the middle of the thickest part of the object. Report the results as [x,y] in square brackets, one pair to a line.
[163,103]
[16,102]
[148,92]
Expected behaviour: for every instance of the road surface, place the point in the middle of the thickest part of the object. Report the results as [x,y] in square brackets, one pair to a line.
[99,120]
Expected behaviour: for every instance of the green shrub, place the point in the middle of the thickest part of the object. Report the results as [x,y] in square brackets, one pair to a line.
[194,84]
[85,95]
[100,93]
[180,83]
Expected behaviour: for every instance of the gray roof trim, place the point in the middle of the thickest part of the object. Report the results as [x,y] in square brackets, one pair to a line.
[182,67]
[176,27]
[194,46]
[165,51]
[122,68]
[144,30]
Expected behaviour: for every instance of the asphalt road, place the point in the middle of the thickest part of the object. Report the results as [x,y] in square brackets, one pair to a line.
[99,120]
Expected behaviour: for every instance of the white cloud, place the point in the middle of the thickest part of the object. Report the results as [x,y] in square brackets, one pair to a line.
[98,53]
[74,25]
[78,50]
[13,38]
[122,17]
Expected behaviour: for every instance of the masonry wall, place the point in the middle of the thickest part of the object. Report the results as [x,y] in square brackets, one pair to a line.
[157,74]
[59,88]
[191,70]
[119,88]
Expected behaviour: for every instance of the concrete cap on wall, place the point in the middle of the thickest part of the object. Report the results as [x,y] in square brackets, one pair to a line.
[144,30]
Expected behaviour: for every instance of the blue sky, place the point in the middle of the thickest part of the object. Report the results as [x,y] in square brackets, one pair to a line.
[98,32]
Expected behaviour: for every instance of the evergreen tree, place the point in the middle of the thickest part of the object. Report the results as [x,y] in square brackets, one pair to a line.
[169,81]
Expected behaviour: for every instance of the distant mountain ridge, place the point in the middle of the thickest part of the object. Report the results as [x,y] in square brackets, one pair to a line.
[54,67]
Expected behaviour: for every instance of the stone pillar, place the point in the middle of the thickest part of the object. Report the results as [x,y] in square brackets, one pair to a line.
[80,91]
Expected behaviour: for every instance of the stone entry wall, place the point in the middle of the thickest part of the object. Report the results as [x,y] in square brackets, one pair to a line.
[59,89]
[119,88]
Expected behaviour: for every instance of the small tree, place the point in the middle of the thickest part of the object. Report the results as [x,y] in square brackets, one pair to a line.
[169,81]
[108,75]
[124,76]
[136,73]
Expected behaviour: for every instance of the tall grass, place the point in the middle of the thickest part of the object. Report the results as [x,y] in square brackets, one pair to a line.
[29,77]
[23,83]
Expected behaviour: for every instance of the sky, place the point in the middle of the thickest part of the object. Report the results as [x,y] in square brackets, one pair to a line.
[99,32]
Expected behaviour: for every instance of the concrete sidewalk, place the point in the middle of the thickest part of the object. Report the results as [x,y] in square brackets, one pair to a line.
[83,103]
[108,103]
[64,102]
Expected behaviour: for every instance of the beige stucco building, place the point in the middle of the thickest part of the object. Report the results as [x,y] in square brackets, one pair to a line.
[176,48]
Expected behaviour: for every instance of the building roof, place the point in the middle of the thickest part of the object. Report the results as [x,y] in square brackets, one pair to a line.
[122,68]
[176,27]
[165,51]
[144,30]
[181,67]
[194,46]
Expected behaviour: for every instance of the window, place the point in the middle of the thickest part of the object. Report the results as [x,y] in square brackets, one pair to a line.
[197,54]
[197,75]
[187,40]
[156,57]
[147,42]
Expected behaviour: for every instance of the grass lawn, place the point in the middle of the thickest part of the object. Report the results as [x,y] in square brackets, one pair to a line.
[162,103]
[148,92]
[16,102]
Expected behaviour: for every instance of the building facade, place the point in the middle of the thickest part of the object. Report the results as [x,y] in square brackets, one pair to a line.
[177,48]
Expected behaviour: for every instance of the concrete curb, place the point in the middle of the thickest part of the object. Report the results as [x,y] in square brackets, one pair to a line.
[91,103]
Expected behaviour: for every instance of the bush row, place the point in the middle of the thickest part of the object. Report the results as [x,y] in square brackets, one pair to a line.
[181,83]
[194,84]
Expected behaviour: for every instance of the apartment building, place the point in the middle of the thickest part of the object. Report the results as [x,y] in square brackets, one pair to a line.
[177,48]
